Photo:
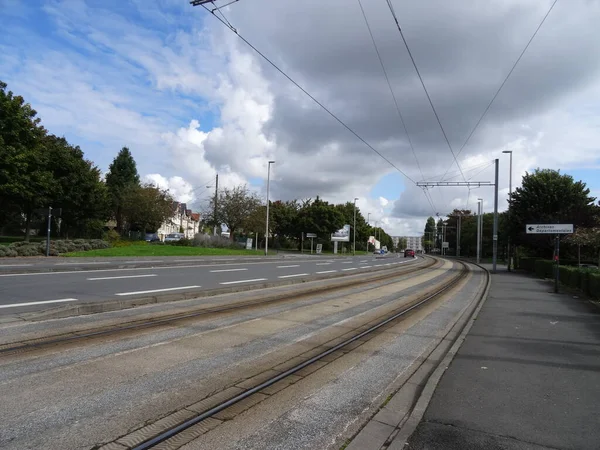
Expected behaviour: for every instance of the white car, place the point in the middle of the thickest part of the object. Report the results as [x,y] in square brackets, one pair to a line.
[173,237]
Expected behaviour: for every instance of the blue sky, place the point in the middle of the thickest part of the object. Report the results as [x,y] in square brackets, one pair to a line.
[190,100]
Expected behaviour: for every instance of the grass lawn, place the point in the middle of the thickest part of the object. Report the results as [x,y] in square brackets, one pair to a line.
[164,250]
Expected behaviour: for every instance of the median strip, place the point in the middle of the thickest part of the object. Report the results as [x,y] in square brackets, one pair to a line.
[121,277]
[243,281]
[294,275]
[16,305]
[158,290]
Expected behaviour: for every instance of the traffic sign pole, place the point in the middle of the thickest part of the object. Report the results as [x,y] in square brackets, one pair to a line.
[556,262]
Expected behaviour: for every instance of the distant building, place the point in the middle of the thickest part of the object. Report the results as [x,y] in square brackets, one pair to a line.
[412,242]
[183,221]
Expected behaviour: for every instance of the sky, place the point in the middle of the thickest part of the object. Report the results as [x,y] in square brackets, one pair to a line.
[191,99]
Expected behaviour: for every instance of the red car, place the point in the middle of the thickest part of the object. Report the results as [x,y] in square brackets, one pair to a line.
[408,253]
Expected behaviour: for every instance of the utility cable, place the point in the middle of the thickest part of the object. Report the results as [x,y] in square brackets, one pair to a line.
[507,77]
[387,79]
[328,111]
[422,82]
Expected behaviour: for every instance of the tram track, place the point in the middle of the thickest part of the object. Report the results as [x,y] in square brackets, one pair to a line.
[220,403]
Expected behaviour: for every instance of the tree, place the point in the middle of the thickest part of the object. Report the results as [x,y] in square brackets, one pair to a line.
[429,234]
[402,244]
[320,217]
[235,206]
[25,179]
[547,196]
[122,177]
[146,207]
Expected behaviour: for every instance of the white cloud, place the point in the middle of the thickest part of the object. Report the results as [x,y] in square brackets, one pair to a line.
[383,201]
[180,189]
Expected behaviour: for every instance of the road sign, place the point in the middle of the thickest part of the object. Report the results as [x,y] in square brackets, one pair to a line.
[311,235]
[445,245]
[319,248]
[549,228]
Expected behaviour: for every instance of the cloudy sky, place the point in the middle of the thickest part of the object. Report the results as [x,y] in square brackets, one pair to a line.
[190,99]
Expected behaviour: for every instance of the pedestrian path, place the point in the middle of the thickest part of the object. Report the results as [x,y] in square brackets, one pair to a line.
[527,376]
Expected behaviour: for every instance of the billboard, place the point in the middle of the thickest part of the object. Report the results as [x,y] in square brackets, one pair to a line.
[342,235]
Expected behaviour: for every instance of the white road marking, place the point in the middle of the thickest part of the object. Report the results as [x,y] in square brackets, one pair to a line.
[226,270]
[190,260]
[350,268]
[323,264]
[122,277]
[15,265]
[158,290]
[327,271]
[285,267]
[364,260]
[294,275]
[143,261]
[347,262]
[378,265]
[80,263]
[16,305]
[365,267]
[244,281]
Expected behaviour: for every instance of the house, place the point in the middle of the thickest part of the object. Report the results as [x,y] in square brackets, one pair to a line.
[183,220]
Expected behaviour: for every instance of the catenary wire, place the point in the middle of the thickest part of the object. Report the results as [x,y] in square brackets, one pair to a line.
[487,108]
[327,110]
[422,82]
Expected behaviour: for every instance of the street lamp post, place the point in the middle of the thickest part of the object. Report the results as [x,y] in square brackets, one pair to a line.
[509,195]
[368,223]
[354,229]
[479,228]
[267,221]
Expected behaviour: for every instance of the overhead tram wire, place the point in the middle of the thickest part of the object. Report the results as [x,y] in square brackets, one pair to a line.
[422,82]
[328,111]
[487,108]
[387,79]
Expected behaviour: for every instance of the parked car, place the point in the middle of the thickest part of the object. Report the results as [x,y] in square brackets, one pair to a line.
[151,237]
[409,252]
[173,237]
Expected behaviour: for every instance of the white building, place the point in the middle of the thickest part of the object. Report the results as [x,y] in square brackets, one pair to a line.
[412,242]
[182,219]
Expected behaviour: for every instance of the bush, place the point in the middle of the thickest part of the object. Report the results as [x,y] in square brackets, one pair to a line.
[544,268]
[207,241]
[527,263]
[185,242]
[7,252]
[56,247]
[112,236]
[593,284]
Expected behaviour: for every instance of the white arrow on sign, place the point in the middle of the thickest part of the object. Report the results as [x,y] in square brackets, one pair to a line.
[549,228]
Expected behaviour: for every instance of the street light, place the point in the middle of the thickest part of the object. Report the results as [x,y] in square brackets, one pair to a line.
[509,195]
[354,229]
[479,227]
[267,224]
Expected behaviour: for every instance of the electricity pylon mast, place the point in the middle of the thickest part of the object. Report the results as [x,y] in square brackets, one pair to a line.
[477,184]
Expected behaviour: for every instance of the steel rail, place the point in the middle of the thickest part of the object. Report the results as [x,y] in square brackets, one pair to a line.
[148,444]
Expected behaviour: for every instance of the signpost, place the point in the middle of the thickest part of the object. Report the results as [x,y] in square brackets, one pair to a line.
[552,228]
[549,228]
[249,244]
[311,236]
[319,248]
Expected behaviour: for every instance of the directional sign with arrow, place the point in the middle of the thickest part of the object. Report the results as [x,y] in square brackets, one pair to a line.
[549,228]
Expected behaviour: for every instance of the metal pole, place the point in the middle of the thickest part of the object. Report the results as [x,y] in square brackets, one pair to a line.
[256,238]
[216,199]
[458,237]
[49,225]
[311,246]
[509,196]
[478,229]
[354,229]
[495,232]
[556,262]
[267,221]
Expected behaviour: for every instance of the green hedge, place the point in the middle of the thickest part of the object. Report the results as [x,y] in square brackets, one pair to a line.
[544,268]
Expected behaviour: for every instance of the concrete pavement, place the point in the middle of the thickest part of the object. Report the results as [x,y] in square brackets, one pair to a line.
[27,292]
[526,377]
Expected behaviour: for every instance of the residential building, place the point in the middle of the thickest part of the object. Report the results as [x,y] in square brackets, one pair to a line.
[412,242]
[183,221]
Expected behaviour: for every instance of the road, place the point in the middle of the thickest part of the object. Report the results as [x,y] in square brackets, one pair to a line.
[26,292]
[83,393]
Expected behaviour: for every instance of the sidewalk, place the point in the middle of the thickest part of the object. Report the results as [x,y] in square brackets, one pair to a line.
[526,376]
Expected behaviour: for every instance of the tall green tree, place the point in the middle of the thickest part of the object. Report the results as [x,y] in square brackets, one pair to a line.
[320,217]
[26,183]
[121,178]
[235,206]
[429,234]
[547,196]
[146,207]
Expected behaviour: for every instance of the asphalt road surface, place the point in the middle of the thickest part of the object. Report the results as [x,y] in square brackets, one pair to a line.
[26,292]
